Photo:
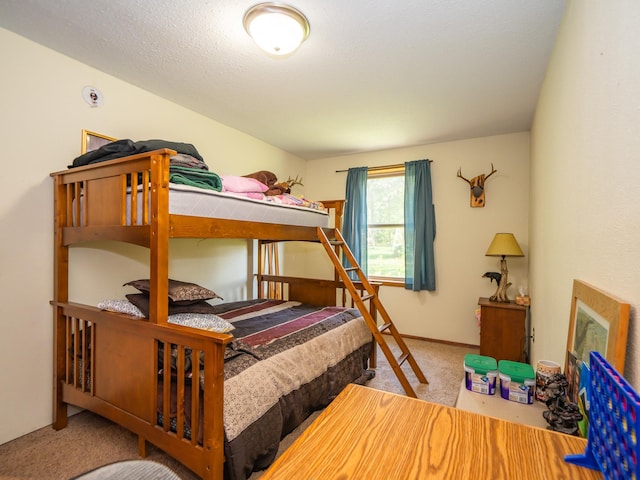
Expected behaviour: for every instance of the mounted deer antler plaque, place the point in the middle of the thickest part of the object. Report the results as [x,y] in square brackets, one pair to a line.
[476,185]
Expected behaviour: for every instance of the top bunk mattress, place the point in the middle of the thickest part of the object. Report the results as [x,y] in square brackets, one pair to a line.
[199,202]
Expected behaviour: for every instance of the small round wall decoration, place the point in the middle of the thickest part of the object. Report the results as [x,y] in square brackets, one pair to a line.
[92,96]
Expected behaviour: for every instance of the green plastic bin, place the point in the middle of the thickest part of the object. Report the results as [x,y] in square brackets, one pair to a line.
[480,373]
[517,381]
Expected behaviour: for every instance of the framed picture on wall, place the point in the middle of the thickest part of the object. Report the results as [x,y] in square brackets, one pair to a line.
[599,322]
[92,141]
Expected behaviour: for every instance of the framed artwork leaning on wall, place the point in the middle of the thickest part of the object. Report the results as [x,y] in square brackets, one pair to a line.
[92,141]
[600,322]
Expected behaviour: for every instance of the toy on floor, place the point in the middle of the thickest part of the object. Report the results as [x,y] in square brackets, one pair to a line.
[614,424]
[563,415]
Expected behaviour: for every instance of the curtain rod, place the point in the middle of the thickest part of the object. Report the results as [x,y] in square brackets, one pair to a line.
[383,167]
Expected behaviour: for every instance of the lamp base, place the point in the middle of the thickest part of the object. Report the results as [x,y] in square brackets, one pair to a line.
[501,292]
[501,299]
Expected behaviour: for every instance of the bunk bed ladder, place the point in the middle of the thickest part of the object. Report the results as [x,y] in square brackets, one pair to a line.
[333,247]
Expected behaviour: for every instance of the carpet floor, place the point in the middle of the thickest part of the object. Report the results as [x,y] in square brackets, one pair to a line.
[90,441]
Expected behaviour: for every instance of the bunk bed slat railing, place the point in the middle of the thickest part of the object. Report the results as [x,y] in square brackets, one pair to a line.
[89,191]
[145,198]
[87,329]
[166,386]
[133,201]
[176,391]
[195,398]
[180,421]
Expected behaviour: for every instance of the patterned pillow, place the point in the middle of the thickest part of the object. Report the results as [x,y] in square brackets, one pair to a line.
[210,322]
[121,306]
[178,291]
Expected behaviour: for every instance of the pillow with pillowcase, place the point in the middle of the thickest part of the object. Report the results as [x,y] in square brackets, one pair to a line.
[178,291]
[231,183]
[121,306]
[210,322]
[141,301]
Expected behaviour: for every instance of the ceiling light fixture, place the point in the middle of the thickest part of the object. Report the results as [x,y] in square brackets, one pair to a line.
[278,29]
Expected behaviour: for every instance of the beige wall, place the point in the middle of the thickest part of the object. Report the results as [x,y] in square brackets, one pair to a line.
[463,233]
[42,116]
[585,214]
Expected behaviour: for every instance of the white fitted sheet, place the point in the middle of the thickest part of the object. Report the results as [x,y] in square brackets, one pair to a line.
[198,202]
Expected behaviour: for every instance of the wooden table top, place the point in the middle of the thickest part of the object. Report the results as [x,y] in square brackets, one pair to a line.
[371,434]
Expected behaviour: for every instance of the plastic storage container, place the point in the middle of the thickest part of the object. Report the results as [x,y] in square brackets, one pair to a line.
[480,373]
[517,381]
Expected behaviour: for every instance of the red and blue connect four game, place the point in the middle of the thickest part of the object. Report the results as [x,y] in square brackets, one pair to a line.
[614,424]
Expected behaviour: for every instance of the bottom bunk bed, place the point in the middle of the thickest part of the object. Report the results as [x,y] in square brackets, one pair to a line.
[227,411]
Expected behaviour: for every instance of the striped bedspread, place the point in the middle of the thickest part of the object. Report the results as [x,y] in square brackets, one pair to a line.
[281,346]
[286,360]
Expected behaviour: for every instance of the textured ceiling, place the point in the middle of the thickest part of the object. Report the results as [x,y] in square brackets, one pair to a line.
[373,74]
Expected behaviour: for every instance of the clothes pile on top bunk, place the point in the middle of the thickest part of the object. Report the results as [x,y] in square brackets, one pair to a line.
[188,167]
[126,147]
[194,177]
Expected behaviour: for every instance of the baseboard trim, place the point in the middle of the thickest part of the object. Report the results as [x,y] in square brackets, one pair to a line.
[436,340]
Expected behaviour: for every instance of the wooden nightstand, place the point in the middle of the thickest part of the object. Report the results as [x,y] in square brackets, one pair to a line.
[503,330]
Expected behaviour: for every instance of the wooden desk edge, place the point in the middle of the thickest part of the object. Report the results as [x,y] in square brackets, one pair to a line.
[308,455]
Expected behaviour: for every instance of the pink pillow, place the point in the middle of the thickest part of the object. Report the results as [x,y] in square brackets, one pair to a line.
[232,183]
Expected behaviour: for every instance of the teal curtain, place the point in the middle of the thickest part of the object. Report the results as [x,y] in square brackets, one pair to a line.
[354,222]
[419,227]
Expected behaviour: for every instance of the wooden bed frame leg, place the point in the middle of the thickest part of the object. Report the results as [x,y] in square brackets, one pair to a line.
[373,357]
[60,410]
[60,417]
[142,447]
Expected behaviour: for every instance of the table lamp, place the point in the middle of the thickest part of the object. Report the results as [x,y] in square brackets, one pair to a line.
[503,245]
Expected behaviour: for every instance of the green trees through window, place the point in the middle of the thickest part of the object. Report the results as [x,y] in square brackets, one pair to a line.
[385,219]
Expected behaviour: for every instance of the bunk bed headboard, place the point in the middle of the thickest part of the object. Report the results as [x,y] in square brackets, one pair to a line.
[92,203]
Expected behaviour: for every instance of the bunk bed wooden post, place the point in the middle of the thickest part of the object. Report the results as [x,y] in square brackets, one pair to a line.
[338,209]
[261,270]
[60,294]
[213,440]
[159,239]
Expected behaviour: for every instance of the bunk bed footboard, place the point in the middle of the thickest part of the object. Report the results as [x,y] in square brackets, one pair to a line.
[116,366]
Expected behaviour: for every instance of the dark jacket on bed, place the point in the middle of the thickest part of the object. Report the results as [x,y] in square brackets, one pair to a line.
[126,147]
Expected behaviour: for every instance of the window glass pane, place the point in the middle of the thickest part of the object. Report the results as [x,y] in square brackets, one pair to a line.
[385,217]
[386,252]
[385,200]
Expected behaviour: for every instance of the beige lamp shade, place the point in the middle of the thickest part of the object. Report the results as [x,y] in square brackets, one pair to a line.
[504,245]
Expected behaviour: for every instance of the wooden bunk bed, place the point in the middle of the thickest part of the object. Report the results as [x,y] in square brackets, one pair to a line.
[95,202]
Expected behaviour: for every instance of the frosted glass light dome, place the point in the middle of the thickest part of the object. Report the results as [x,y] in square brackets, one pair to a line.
[276,28]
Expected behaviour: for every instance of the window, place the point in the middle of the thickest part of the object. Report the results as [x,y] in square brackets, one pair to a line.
[385,225]
[388,213]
